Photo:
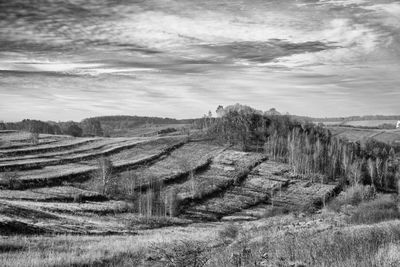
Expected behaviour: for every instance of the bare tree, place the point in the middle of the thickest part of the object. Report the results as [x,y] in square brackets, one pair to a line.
[355,170]
[379,172]
[172,202]
[371,170]
[105,176]
[34,138]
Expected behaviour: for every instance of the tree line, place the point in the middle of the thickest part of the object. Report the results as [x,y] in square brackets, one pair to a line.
[87,127]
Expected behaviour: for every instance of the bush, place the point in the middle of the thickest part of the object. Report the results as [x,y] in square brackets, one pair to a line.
[375,211]
[229,233]
[107,179]
[275,211]
[167,131]
[11,179]
[184,253]
[353,195]
[78,198]
[34,138]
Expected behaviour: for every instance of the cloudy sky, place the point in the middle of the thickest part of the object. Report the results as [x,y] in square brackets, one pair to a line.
[62,60]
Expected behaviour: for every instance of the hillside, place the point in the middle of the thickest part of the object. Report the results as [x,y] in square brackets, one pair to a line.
[153,200]
[55,175]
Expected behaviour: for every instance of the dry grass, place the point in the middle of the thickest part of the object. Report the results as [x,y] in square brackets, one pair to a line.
[96,251]
[98,149]
[227,168]
[89,207]
[171,167]
[378,210]
[61,144]
[223,187]
[55,175]
[58,150]
[374,245]
[57,193]
[353,195]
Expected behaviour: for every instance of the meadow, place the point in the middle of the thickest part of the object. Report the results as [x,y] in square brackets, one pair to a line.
[174,199]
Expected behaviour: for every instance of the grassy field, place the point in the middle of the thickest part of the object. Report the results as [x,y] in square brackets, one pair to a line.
[391,137]
[362,123]
[213,203]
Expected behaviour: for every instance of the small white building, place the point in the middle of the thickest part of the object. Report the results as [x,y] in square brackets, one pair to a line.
[398,125]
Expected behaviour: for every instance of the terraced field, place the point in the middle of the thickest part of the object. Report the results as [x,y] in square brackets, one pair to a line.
[77,160]
[45,189]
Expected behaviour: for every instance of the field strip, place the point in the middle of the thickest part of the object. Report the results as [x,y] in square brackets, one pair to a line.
[47,147]
[178,177]
[177,167]
[255,188]
[39,163]
[300,194]
[101,208]
[58,225]
[220,177]
[87,147]
[83,173]
[52,194]
[376,134]
[28,144]
[7,131]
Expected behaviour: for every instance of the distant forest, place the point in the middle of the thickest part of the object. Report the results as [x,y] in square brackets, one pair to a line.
[95,126]
[104,125]
[87,127]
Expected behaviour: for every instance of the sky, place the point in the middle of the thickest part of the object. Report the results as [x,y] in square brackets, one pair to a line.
[72,59]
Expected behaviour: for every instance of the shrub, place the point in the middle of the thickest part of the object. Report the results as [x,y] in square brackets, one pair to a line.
[167,131]
[11,246]
[229,233]
[11,180]
[78,198]
[353,195]
[375,211]
[106,177]
[34,138]
[184,253]
[275,211]
[334,205]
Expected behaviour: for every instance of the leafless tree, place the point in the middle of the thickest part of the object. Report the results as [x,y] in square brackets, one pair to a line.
[105,176]
[371,170]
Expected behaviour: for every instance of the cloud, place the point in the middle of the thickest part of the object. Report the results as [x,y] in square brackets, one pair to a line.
[73,59]
[262,52]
